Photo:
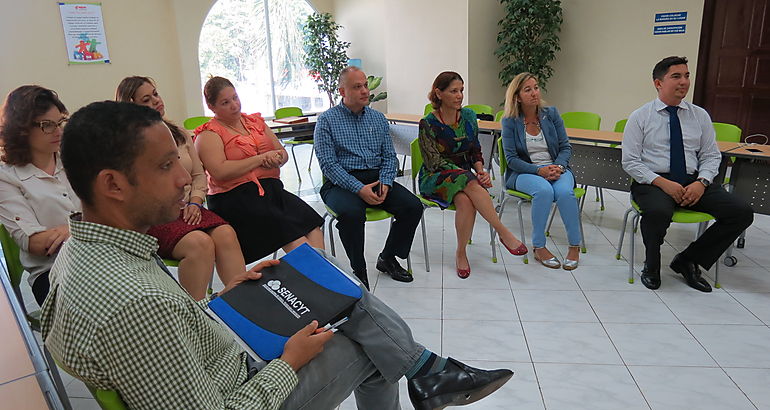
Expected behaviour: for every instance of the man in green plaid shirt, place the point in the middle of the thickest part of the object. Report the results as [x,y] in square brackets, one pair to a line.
[116,318]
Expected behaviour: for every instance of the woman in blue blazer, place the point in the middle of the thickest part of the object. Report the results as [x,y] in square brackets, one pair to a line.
[538,152]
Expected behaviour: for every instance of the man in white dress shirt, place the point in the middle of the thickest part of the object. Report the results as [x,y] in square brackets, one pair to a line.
[670,150]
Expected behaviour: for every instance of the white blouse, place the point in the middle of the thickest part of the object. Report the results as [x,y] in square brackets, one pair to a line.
[537,148]
[33,201]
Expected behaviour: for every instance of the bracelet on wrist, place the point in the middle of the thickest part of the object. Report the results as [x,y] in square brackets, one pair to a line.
[200,206]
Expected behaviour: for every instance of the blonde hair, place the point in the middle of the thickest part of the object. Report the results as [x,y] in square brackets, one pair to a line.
[512,106]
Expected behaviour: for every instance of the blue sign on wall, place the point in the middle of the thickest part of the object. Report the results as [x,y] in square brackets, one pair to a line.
[669,29]
[672,16]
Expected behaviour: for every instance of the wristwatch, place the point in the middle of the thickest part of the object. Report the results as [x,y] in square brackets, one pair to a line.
[562,168]
[705,182]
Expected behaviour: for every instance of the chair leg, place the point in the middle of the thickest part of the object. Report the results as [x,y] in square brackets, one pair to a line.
[601,198]
[58,385]
[523,235]
[550,219]
[330,228]
[294,158]
[424,242]
[492,244]
[622,233]
[312,154]
[633,249]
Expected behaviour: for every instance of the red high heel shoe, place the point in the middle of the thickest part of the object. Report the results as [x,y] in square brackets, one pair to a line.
[521,250]
[464,273]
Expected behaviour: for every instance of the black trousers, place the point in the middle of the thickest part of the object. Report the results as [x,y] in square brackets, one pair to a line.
[351,216]
[733,216]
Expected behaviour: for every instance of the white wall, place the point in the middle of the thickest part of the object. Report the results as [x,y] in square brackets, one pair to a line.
[142,40]
[483,85]
[608,51]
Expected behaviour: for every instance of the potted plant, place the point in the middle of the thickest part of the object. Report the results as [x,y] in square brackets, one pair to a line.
[373,82]
[325,54]
[528,38]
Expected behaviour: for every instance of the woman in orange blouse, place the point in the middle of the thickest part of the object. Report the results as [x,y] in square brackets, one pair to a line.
[199,238]
[243,158]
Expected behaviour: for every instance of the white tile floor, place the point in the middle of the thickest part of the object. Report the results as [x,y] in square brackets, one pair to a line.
[585,339]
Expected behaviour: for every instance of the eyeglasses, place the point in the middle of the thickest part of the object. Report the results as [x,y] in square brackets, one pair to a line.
[49,127]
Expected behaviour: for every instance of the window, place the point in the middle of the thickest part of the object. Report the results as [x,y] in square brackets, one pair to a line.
[257,44]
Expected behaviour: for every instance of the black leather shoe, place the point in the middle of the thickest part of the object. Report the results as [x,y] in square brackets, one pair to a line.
[456,385]
[361,275]
[691,273]
[392,268]
[651,278]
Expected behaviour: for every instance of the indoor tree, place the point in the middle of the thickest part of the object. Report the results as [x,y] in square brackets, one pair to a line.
[325,54]
[528,38]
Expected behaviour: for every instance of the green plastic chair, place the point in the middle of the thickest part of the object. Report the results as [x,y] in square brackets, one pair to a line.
[481,108]
[416,164]
[585,121]
[194,122]
[15,272]
[729,133]
[620,126]
[372,215]
[582,120]
[499,116]
[523,197]
[293,142]
[108,399]
[681,215]
[428,109]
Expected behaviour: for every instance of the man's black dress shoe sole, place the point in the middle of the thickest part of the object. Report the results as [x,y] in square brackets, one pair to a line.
[456,385]
[394,270]
[461,398]
[651,282]
[691,273]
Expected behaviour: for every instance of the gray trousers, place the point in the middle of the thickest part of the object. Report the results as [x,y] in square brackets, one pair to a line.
[368,356]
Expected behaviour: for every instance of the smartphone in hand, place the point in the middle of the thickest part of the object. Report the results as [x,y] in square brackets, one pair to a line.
[376,188]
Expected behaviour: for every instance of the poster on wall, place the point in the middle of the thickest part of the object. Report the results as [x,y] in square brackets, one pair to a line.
[84,33]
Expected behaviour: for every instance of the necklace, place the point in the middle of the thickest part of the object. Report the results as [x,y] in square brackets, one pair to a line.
[237,131]
[457,118]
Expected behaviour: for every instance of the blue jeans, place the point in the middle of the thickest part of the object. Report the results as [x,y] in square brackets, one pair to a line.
[544,193]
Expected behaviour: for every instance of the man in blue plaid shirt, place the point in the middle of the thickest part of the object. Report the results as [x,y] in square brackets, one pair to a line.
[357,158]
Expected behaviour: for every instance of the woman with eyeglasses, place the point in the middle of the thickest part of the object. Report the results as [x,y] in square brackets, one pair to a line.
[35,196]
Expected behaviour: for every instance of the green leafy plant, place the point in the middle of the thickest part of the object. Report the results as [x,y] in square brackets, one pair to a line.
[528,38]
[325,54]
[373,82]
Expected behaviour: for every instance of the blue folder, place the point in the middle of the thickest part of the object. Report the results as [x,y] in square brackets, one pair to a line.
[304,287]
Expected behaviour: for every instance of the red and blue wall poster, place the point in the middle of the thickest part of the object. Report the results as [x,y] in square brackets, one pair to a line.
[84,33]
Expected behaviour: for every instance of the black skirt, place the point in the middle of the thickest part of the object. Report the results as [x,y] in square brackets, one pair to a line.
[266,223]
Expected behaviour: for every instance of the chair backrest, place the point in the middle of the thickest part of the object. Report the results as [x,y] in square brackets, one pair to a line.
[620,126]
[503,160]
[727,132]
[195,122]
[11,253]
[428,109]
[284,112]
[108,399]
[582,120]
[416,157]
[499,115]
[481,108]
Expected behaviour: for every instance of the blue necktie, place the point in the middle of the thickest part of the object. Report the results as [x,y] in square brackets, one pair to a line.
[678,169]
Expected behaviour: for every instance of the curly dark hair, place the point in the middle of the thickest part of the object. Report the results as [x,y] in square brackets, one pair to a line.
[20,109]
[104,135]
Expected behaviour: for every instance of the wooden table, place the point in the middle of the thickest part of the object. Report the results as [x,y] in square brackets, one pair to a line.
[301,129]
